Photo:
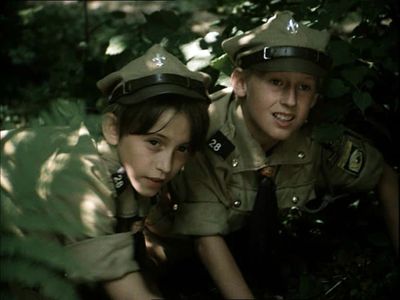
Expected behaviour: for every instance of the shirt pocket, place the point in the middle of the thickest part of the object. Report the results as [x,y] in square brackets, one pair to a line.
[295,196]
[295,185]
[240,203]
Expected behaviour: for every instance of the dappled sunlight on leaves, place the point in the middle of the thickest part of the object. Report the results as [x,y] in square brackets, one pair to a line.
[50,52]
[116,46]
[55,163]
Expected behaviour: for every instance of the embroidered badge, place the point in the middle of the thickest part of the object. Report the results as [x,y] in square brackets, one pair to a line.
[292,26]
[352,159]
[219,144]
[159,60]
[120,180]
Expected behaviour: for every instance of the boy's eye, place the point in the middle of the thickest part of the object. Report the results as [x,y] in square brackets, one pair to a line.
[183,148]
[276,82]
[153,142]
[306,87]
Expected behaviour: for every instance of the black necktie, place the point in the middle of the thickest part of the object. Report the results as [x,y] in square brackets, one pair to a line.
[263,236]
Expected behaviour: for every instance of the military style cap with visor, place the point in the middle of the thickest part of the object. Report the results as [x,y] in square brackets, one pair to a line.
[155,73]
[281,44]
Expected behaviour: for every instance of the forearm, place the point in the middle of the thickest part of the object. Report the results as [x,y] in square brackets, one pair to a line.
[217,258]
[388,192]
[132,286]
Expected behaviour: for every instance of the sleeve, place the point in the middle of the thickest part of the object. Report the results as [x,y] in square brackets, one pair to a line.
[61,173]
[76,178]
[351,163]
[104,257]
[200,190]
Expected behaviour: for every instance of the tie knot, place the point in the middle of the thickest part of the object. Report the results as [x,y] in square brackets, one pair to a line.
[267,171]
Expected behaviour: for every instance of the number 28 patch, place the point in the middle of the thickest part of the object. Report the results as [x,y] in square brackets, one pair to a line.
[352,158]
[220,144]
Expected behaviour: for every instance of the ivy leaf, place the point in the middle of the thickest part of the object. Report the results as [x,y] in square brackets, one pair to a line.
[161,24]
[326,132]
[309,287]
[116,45]
[119,14]
[341,53]
[362,99]
[378,239]
[355,74]
[336,88]
[362,44]
[223,64]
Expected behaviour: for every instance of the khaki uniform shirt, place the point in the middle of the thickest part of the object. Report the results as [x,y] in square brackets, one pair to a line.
[67,166]
[217,189]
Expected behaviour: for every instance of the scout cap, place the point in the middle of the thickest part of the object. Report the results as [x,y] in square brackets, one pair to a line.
[281,44]
[155,73]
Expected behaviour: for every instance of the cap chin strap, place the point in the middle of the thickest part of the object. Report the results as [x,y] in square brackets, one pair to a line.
[269,53]
[132,86]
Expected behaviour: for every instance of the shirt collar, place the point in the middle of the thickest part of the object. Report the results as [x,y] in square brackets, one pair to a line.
[249,155]
[129,202]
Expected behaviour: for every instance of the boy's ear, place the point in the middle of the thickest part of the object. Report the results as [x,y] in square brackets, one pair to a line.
[109,127]
[238,81]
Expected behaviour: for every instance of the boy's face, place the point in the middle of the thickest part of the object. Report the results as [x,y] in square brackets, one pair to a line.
[153,159]
[275,104]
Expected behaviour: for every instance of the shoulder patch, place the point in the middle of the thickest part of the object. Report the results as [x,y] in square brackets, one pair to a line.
[219,144]
[352,158]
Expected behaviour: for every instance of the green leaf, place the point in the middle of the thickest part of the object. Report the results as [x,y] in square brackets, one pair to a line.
[116,45]
[355,74]
[223,64]
[41,223]
[336,88]
[326,132]
[390,64]
[362,44]
[160,25]
[378,239]
[118,14]
[60,112]
[308,287]
[362,100]
[340,52]
[33,275]
[37,249]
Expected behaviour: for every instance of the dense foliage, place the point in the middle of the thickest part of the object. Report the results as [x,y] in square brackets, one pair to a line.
[57,51]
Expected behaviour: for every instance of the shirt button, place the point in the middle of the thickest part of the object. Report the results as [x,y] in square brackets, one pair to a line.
[301,154]
[237,203]
[235,162]
[295,199]
[295,211]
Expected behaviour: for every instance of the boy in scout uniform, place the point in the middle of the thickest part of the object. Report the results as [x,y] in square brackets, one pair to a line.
[155,119]
[261,156]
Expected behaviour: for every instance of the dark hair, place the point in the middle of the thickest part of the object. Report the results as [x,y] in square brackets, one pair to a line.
[139,118]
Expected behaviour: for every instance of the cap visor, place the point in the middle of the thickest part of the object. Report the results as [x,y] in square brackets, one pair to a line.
[290,65]
[157,90]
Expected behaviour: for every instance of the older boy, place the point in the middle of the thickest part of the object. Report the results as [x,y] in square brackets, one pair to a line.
[259,131]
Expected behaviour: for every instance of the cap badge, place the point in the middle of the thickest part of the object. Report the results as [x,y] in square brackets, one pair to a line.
[292,26]
[159,60]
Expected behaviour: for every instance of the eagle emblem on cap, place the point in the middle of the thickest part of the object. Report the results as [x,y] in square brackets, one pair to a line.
[292,26]
[159,60]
